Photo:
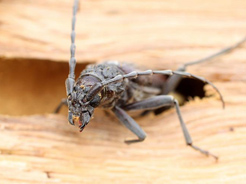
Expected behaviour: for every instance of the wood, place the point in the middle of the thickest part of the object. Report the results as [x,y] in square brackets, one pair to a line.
[43,148]
[138,31]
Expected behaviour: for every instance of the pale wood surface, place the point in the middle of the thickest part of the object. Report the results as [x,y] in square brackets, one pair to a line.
[155,34]
[45,149]
[147,30]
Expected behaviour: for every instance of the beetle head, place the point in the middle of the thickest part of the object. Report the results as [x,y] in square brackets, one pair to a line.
[80,110]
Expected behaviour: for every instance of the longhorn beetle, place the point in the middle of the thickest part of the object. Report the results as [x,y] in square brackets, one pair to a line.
[120,88]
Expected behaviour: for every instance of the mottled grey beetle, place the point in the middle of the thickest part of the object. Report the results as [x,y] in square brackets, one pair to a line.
[120,88]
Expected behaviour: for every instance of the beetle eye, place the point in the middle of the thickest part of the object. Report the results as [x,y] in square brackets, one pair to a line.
[95,101]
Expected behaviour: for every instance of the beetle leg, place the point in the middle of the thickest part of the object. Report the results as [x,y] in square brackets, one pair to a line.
[162,101]
[58,108]
[126,120]
[223,51]
[173,81]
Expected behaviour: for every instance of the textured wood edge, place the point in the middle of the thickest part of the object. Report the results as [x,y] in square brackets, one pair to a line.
[45,149]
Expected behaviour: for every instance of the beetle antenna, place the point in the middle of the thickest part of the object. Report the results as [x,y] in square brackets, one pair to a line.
[72,62]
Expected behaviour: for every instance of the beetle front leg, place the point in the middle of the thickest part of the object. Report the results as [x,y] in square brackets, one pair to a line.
[162,101]
[58,108]
[126,120]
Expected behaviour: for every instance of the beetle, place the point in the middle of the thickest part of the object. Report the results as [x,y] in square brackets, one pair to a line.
[120,88]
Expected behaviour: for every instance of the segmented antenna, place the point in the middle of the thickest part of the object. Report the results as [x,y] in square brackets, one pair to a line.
[72,63]
[223,51]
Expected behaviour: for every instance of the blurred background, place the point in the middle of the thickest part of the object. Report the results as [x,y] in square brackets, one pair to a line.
[34,51]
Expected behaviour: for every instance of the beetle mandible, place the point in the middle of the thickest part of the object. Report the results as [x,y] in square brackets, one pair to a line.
[120,88]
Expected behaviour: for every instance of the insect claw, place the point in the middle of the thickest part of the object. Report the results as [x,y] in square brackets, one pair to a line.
[207,153]
[81,128]
[70,118]
[128,142]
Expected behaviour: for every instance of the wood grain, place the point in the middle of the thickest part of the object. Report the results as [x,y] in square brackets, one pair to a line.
[138,31]
[43,148]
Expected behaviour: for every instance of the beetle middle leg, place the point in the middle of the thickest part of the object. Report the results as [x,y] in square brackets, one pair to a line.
[162,101]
